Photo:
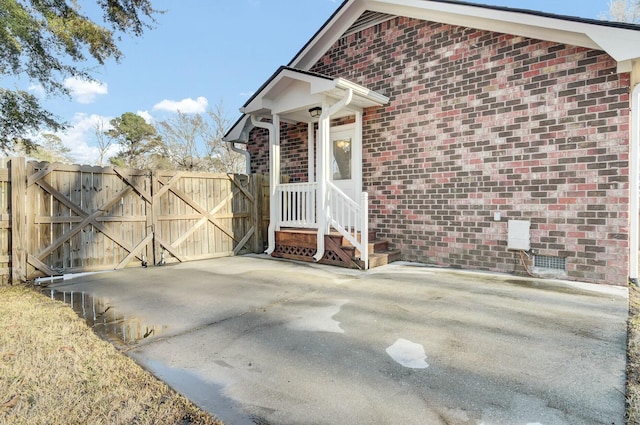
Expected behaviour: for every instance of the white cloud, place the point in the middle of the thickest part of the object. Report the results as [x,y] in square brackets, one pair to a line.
[37,89]
[84,91]
[186,106]
[146,116]
[77,136]
[247,94]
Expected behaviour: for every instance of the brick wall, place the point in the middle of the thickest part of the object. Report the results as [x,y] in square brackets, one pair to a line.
[293,152]
[482,122]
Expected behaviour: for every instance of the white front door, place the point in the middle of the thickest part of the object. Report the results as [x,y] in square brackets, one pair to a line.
[346,160]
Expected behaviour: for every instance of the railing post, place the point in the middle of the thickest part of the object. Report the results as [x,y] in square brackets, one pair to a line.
[364,237]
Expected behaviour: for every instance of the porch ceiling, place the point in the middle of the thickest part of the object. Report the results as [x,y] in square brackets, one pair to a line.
[290,93]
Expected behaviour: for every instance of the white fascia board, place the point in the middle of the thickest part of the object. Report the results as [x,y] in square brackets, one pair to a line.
[621,44]
[361,91]
[255,105]
[259,104]
[530,26]
[236,133]
[263,100]
[328,35]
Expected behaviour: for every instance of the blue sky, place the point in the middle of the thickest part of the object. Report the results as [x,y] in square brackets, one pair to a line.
[204,53]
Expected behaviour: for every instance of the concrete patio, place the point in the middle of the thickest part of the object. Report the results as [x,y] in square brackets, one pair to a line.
[257,340]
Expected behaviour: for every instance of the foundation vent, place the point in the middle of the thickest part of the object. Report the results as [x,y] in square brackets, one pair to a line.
[550,263]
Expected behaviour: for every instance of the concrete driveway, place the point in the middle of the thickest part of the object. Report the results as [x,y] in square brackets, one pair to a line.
[261,341]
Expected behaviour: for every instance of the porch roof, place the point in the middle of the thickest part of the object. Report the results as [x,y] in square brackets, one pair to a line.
[291,92]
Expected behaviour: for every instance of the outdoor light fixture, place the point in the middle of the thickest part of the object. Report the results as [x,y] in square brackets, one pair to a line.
[315,112]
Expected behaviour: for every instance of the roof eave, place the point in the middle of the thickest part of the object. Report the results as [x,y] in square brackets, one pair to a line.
[620,41]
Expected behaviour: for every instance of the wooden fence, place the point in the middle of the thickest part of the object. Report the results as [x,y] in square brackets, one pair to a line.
[57,219]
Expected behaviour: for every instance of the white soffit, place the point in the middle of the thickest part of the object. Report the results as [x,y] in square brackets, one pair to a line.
[620,43]
[239,132]
[290,90]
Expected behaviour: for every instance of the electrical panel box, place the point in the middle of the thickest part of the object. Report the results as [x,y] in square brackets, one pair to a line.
[518,235]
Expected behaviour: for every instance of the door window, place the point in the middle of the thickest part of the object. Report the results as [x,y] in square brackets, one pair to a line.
[341,164]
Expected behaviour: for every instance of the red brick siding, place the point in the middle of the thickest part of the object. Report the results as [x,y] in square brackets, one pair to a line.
[294,149]
[481,122]
[293,152]
[258,148]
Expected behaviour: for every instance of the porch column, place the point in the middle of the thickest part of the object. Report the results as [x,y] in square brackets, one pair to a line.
[274,176]
[275,173]
[324,140]
[311,178]
[634,185]
[357,154]
[324,167]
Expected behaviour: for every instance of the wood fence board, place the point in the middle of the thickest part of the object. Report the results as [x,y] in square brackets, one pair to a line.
[87,218]
[19,241]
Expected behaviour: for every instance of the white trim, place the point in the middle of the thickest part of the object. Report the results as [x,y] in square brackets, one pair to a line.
[358,155]
[323,168]
[247,156]
[620,43]
[293,92]
[353,186]
[311,177]
[276,168]
[273,179]
[361,91]
[634,185]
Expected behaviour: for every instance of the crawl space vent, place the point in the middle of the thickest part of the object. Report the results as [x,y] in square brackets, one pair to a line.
[550,263]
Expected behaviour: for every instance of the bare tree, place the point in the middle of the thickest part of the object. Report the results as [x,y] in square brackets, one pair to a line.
[220,156]
[194,143]
[181,137]
[49,148]
[623,11]
[105,141]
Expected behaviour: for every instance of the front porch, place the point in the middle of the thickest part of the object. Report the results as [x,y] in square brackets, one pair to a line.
[325,218]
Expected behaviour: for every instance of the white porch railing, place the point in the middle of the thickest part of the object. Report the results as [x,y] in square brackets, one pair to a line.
[297,208]
[351,219]
[297,203]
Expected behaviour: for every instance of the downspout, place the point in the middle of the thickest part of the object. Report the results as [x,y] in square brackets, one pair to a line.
[311,141]
[247,156]
[634,185]
[272,183]
[324,128]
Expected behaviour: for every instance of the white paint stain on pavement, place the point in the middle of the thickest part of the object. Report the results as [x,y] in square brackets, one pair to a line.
[408,354]
[319,319]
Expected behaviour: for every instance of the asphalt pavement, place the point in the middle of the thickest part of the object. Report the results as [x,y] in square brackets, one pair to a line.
[255,340]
